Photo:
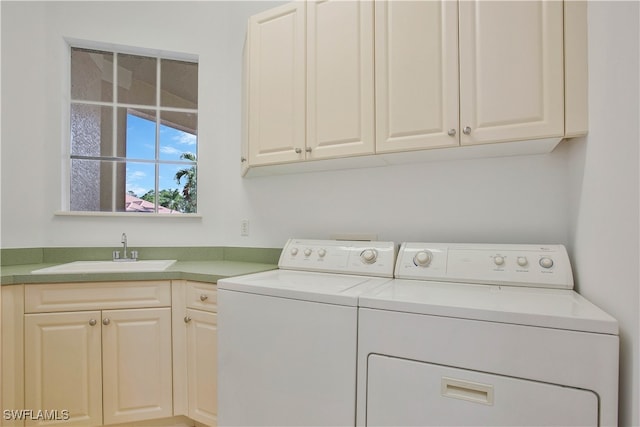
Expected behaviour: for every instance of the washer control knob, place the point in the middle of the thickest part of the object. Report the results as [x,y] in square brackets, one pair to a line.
[294,251]
[322,253]
[522,261]
[423,258]
[498,260]
[307,252]
[369,256]
[546,262]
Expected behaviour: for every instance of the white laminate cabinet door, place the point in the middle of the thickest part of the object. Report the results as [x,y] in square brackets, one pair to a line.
[511,70]
[63,366]
[136,364]
[202,366]
[340,87]
[416,64]
[277,85]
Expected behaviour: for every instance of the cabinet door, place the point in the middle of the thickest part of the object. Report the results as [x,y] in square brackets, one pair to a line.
[63,366]
[416,63]
[136,364]
[277,85]
[511,70]
[340,109]
[202,366]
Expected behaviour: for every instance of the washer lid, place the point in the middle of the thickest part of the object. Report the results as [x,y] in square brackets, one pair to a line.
[341,289]
[550,308]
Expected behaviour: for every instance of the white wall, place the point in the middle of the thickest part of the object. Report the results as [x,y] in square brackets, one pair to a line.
[511,200]
[604,185]
[583,194]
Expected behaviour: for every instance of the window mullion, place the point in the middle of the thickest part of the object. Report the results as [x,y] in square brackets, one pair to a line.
[114,137]
[157,168]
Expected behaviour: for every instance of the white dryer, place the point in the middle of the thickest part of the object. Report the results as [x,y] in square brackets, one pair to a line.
[484,335]
[287,338]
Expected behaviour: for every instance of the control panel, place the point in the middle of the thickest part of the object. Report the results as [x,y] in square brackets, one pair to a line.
[544,266]
[336,256]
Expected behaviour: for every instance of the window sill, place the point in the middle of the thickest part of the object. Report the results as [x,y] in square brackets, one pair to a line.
[126,214]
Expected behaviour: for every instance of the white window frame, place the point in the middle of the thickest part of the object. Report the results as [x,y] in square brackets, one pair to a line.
[67,158]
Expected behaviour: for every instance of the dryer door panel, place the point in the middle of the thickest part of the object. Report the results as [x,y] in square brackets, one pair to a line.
[402,392]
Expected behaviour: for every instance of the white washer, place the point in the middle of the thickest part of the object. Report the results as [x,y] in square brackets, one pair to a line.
[287,338]
[484,335]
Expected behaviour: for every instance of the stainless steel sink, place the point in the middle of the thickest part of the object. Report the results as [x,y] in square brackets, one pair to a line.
[107,267]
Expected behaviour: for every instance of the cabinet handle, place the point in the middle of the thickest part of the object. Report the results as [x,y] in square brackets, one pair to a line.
[187,319]
[106,321]
[298,150]
[203,297]
[93,322]
[466,130]
[452,132]
[308,149]
[243,159]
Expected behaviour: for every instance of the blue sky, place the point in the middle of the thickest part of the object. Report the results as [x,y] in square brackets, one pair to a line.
[141,145]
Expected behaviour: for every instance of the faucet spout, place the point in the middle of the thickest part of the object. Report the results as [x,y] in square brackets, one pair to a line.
[124,244]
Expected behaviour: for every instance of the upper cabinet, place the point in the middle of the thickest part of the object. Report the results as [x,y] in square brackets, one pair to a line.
[310,82]
[416,69]
[336,79]
[511,71]
[339,78]
[276,85]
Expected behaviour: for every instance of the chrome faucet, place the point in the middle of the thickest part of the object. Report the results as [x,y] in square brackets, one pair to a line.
[125,257]
[123,240]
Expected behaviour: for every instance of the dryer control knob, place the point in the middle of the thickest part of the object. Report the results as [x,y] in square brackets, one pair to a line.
[423,258]
[522,261]
[369,256]
[498,260]
[322,253]
[294,251]
[307,252]
[546,262]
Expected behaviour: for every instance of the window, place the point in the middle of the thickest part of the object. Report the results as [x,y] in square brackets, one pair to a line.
[133,133]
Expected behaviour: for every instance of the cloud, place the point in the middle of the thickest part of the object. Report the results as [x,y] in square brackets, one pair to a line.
[185,138]
[136,175]
[168,149]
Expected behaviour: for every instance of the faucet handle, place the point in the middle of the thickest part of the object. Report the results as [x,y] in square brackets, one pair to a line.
[134,254]
[116,255]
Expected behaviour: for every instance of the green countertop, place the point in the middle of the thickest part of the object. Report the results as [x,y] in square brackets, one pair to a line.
[198,264]
[202,271]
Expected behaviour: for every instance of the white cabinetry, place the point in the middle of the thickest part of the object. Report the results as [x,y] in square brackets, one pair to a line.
[503,61]
[202,352]
[276,85]
[310,82]
[100,350]
[511,71]
[339,79]
[63,366]
[195,346]
[416,75]
[499,78]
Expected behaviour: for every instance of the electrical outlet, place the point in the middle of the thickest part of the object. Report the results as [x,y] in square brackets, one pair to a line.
[244,227]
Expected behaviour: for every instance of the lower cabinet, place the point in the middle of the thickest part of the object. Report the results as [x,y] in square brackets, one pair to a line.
[136,365]
[63,365]
[202,373]
[200,350]
[104,353]
[104,367]
[93,353]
